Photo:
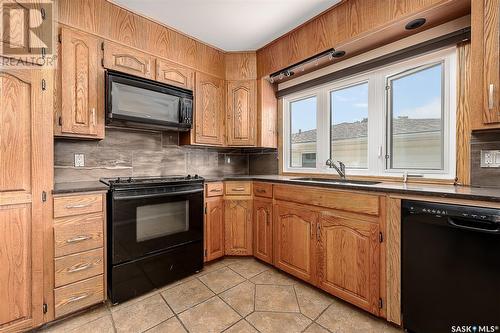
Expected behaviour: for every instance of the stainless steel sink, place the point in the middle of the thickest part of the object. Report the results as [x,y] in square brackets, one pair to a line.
[338,181]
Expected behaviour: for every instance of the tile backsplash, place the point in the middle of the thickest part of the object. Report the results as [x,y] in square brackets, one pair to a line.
[134,153]
[484,176]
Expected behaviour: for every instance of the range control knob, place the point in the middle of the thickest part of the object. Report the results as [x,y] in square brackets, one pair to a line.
[188,177]
[196,176]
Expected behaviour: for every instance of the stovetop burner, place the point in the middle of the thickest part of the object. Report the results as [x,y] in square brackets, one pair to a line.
[138,181]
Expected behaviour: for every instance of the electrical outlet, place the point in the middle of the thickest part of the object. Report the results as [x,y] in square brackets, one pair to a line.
[228,160]
[490,158]
[79,160]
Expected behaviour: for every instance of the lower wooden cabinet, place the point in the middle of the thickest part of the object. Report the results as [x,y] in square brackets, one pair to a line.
[348,259]
[295,240]
[238,226]
[214,228]
[263,229]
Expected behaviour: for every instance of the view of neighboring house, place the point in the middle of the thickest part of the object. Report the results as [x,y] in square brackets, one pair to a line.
[421,138]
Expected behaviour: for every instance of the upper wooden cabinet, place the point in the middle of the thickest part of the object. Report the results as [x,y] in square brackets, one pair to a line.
[128,60]
[27,165]
[295,240]
[174,74]
[267,115]
[214,228]
[241,110]
[491,37]
[81,86]
[348,259]
[209,111]
[238,227]
[263,229]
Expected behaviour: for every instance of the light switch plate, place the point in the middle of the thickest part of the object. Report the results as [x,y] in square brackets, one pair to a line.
[79,160]
[490,158]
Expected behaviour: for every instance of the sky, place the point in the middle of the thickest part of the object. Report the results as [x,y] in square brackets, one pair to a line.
[417,96]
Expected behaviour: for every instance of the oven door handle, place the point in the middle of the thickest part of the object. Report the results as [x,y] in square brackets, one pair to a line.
[156,195]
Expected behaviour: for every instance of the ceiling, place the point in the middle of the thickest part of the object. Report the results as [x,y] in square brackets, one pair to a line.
[230,25]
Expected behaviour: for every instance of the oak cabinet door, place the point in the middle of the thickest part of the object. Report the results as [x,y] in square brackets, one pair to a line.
[348,260]
[238,227]
[127,60]
[214,228]
[241,113]
[26,171]
[267,115]
[174,74]
[209,110]
[80,81]
[263,229]
[294,240]
[491,31]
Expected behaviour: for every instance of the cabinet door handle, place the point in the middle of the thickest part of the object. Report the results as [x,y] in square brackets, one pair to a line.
[318,233]
[148,68]
[77,298]
[491,91]
[79,268]
[78,206]
[78,239]
[92,113]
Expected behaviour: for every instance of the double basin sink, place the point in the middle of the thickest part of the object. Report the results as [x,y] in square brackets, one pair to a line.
[337,181]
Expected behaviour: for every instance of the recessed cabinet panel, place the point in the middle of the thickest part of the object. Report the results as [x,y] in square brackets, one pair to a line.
[241,113]
[348,260]
[80,106]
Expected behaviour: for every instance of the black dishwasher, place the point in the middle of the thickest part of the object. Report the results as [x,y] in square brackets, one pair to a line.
[450,268]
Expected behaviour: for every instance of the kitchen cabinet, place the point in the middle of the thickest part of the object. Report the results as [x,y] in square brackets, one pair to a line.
[263,229]
[174,74]
[241,111]
[26,181]
[208,128]
[348,259]
[82,104]
[294,238]
[238,226]
[127,60]
[267,115]
[214,226]
[491,38]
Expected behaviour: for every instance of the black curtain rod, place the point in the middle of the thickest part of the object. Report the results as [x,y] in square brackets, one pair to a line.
[408,52]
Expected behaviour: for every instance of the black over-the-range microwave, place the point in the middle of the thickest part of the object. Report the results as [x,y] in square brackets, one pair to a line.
[136,102]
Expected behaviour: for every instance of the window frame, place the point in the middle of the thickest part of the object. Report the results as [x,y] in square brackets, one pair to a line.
[378,114]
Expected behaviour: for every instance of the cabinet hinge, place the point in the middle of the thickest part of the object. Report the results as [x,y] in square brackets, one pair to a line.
[59,38]
[206,209]
[45,308]
[44,53]
[380,303]
[205,252]
[43,13]
[102,46]
[44,85]
[44,196]
[102,62]
[381,237]
[60,121]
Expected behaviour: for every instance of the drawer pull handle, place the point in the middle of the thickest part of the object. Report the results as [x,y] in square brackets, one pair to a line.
[239,189]
[491,96]
[215,190]
[78,239]
[77,298]
[79,268]
[78,206]
[259,190]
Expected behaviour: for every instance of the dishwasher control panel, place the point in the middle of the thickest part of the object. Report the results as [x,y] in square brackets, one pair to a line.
[456,211]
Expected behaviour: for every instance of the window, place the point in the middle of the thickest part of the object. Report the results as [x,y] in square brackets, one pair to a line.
[396,119]
[303,132]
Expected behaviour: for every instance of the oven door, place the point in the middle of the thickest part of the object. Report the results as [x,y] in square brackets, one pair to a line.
[145,222]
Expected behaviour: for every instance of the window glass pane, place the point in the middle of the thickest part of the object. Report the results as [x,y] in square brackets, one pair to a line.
[416,120]
[303,133]
[349,126]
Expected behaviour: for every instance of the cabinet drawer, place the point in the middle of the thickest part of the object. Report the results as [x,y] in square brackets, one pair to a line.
[215,189]
[263,190]
[77,267]
[78,295]
[78,233]
[77,204]
[238,188]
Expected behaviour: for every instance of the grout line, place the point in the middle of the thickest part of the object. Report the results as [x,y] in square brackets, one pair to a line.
[297,300]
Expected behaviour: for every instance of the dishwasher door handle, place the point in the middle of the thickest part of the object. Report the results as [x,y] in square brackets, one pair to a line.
[456,223]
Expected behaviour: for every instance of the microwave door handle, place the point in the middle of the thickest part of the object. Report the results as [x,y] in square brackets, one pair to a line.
[156,195]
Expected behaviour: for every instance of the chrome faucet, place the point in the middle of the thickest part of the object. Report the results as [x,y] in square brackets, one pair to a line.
[340,169]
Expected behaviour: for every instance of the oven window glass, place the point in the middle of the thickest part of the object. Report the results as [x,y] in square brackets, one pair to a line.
[156,221]
[142,103]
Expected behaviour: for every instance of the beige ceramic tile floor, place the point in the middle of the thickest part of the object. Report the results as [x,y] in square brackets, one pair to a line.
[236,295]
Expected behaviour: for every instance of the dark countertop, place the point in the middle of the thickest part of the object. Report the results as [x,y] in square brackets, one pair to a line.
[434,190]
[75,187]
